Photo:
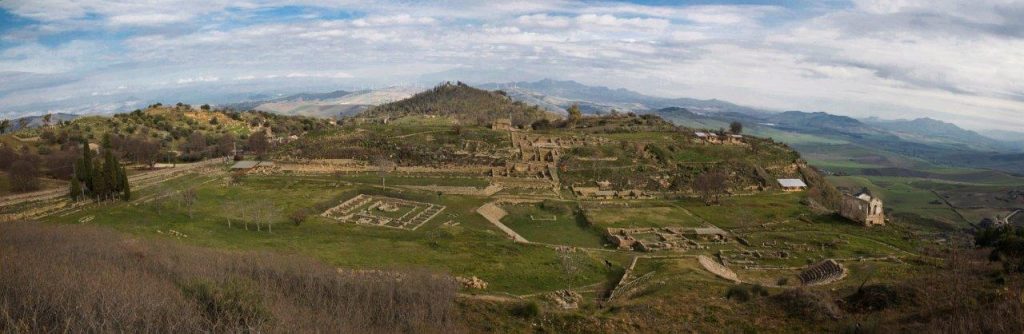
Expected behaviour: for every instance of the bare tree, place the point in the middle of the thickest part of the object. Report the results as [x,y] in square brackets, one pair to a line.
[189,197]
[144,151]
[262,213]
[23,176]
[258,144]
[710,186]
[227,209]
[384,166]
[195,147]
[226,144]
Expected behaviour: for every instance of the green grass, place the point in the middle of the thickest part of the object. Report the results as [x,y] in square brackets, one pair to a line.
[792,138]
[473,248]
[410,180]
[567,228]
[753,210]
[652,215]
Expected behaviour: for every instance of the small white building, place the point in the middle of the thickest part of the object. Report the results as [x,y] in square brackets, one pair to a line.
[792,184]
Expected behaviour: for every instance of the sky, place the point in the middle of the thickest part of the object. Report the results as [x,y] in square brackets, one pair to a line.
[958,61]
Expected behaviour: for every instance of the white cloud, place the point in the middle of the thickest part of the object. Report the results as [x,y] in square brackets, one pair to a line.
[544,21]
[198,79]
[960,60]
[147,19]
[607,20]
[401,19]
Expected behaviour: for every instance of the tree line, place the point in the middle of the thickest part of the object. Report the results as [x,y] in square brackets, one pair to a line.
[99,178]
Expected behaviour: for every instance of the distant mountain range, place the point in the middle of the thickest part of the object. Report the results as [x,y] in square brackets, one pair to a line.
[557,95]
[928,139]
[328,105]
[37,121]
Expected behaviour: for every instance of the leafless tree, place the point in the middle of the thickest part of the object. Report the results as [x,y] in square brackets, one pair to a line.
[189,197]
[226,144]
[195,146]
[258,144]
[228,210]
[710,186]
[384,166]
[143,150]
[23,176]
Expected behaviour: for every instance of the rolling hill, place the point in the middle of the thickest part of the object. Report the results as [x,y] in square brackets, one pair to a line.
[467,104]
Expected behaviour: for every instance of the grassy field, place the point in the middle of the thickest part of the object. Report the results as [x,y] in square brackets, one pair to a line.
[536,224]
[746,211]
[662,214]
[472,248]
[413,180]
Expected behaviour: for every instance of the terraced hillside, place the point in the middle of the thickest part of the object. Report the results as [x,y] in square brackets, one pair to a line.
[591,224]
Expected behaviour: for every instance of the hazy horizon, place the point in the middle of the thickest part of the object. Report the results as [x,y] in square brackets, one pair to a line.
[947,60]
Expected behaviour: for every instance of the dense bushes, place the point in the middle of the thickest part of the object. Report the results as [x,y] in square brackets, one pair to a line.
[808,304]
[87,279]
[1007,243]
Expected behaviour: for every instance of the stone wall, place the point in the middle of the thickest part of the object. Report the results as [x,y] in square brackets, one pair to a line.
[867,212]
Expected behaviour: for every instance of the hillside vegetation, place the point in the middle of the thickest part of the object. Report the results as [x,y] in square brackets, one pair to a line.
[89,279]
[144,137]
[460,101]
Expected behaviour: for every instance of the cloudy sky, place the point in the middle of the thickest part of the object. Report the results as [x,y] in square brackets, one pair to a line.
[960,61]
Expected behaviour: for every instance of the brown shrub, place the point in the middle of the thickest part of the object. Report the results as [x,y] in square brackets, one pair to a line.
[87,279]
[961,298]
[808,304]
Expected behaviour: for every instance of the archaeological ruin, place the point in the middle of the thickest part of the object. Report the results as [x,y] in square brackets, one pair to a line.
[863,208]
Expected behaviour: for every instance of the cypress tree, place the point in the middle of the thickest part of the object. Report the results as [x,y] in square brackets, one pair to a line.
[127,189]
[86,167]
[111,171]
[101,183]
[76,188]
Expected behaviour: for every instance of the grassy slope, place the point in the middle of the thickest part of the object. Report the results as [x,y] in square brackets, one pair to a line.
[474,248]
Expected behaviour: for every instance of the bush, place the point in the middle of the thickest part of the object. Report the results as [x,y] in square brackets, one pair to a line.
[232,304]
[878,297]
[759,290]
[738,293]
[23,176]
[808,304]
[527,310]
[298,216]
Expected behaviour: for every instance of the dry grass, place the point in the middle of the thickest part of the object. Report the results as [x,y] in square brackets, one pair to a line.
[87,279]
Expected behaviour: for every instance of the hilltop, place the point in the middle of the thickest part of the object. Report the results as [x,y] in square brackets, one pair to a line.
[464,103]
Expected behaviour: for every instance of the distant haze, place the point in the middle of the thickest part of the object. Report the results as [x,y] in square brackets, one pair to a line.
[956,61]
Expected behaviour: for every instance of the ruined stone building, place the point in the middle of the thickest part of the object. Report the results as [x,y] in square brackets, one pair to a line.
[863,208]
[502,124]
